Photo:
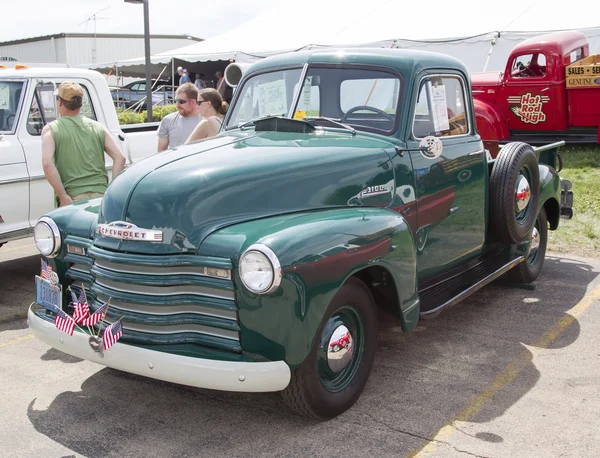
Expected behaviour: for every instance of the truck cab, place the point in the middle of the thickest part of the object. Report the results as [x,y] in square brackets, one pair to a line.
[343,181]
[27,104]
[530,100]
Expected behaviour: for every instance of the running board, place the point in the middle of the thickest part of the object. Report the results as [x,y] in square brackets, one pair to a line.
[453,290]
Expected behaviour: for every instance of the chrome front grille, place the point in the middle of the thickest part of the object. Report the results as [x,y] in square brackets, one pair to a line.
[164,299]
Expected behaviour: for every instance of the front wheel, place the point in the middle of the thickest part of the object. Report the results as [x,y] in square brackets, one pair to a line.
[329,382]
[530,268]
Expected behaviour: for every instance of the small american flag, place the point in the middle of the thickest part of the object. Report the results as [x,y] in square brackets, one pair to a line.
[82,309]
[64,322]
[46,270]
[112,334]
[97,316]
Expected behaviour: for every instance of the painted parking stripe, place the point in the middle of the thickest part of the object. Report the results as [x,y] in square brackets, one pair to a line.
[509,373]
[16,341]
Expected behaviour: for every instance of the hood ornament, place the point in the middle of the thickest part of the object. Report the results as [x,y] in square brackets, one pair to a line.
[126,231]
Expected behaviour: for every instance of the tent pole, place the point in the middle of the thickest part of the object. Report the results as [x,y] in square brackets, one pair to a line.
[173,77]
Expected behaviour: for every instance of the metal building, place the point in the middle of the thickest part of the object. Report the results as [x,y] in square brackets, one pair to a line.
[87,48]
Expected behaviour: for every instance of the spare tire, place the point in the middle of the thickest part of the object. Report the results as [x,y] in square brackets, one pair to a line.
[514,193]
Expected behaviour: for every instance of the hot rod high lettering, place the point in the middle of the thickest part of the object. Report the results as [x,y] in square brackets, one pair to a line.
[343,181]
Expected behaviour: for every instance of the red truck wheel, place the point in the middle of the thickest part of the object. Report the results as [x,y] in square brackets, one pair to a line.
[329,382]
[514,193]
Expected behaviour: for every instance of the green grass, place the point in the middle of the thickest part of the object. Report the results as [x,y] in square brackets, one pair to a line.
[580,235]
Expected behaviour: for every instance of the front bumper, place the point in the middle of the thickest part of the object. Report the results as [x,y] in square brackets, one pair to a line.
[198,372]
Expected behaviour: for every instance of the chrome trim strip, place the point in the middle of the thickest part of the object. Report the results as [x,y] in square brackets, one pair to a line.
[165,290]
[165,310]
[150,270]
[185,370]
[80,268]
[467,292]
[180,328]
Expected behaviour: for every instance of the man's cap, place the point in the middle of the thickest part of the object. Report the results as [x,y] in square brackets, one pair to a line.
[185,70]
[68,90]
[179,69]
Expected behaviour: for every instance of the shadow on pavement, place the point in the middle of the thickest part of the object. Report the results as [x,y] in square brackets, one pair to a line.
[419,381]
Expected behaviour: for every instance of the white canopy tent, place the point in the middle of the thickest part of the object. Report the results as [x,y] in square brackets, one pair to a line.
[435,26]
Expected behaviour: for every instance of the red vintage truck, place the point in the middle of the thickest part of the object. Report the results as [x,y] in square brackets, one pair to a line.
[549,91]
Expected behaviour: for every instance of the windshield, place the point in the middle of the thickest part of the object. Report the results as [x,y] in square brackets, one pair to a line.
[266,94]
[364,98]
[10,99]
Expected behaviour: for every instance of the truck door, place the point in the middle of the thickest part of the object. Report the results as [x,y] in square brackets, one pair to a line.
[14,178]
[450,191]
[534,97]
[43,110]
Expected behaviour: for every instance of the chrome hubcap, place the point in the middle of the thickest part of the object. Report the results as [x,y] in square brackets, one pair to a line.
[535,240]
[340,349]
[523,193]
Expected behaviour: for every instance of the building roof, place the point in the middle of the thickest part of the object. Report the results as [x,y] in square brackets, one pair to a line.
[91,35]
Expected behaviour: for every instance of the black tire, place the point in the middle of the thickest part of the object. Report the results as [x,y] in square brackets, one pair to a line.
[528,270]
[507,223]
[306,394]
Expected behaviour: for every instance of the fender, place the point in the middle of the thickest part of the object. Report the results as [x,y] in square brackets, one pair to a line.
[550,194]
[491,125]
[318,252]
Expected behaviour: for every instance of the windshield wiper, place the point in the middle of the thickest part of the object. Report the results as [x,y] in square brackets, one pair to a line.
[254,121]
[335,122]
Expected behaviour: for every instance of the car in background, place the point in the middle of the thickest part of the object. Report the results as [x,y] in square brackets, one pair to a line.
[134,92]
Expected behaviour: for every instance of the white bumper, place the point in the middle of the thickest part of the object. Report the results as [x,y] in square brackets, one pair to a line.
[201,373]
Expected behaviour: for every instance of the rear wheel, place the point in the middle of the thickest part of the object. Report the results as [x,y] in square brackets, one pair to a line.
[514,193]
[528,270]
[329,382]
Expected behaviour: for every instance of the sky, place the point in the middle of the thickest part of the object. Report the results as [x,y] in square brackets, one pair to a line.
[198,18]
[310,21]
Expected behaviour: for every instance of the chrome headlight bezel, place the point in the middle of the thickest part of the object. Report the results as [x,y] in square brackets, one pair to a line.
[271,257]
[50,224]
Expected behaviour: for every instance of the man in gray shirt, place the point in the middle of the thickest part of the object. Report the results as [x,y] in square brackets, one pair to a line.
[175,128]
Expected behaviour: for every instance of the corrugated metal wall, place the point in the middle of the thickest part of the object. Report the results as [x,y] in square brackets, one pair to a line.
[80,50]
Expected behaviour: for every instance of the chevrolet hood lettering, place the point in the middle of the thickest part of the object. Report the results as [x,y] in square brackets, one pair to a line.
[127,231]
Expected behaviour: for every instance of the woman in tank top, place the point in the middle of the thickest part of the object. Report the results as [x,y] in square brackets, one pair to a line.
[212,108]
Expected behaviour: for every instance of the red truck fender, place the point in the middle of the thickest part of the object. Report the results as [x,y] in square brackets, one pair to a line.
[491,125]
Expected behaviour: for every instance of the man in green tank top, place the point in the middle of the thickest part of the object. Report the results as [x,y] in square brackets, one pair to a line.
[73,149]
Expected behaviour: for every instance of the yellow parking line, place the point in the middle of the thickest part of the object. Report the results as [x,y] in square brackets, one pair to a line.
[16,341]
[16,248]
[509,373]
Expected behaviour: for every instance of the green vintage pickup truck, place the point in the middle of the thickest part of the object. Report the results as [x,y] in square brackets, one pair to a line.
[343,182]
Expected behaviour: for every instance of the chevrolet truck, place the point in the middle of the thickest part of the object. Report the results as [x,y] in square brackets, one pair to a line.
[343,182]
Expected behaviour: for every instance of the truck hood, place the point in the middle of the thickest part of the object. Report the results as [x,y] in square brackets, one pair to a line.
[190,192]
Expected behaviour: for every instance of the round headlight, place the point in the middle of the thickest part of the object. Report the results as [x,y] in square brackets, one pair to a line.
[260,270]
[47,237]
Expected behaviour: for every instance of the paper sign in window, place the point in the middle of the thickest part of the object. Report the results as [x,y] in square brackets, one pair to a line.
[440,108]
[4,98]
[272,98]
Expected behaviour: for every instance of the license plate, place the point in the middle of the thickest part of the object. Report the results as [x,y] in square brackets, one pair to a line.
[46,294]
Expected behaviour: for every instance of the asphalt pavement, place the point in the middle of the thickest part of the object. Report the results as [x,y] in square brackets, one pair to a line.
[509,372]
